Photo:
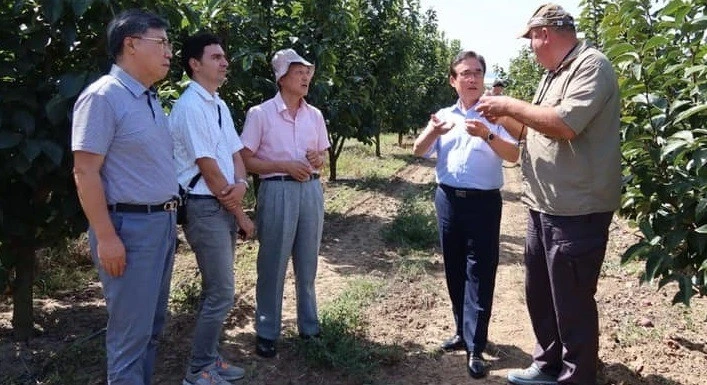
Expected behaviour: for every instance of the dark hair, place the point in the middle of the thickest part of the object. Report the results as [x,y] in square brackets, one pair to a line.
[463,55]
[193,48]
[132,22]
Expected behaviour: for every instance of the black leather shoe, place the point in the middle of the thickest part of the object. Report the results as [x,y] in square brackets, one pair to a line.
[309,336]
[454,343]
[477,367]
[265,347]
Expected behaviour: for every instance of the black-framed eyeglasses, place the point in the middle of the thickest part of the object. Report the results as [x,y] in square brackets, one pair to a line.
[163,41]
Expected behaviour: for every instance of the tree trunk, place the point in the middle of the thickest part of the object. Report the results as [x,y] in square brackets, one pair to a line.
[400,139]
[332,163]
[378,144]
[22,312]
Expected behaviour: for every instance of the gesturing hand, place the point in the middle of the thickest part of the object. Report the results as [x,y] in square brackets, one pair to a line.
[440,126]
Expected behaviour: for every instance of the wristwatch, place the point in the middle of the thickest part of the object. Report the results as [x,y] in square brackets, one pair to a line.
[245,182]
[490,136]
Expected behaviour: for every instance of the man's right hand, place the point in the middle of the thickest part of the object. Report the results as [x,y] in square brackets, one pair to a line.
[440,127]
[298,170]
[111,255]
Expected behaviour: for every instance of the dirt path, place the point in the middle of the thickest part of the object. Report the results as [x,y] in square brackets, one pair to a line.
[412,314]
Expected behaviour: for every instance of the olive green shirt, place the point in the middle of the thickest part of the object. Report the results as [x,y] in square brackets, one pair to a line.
[583,175]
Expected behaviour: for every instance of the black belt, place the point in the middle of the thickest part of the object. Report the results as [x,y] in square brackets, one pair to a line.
[170,205]
[289,178]
[200,196]
[467,192]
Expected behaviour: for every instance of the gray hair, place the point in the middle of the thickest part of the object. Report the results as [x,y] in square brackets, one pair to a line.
[132,22]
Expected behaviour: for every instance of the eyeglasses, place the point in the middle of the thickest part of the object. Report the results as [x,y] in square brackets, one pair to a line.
[163,41]
[468,74]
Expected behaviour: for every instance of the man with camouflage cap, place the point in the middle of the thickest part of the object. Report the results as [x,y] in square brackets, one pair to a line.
[572,185]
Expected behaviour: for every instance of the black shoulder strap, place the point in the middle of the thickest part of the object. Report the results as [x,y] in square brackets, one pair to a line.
[194,180]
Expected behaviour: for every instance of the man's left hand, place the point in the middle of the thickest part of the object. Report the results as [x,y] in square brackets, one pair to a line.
[231,196]
[475,127]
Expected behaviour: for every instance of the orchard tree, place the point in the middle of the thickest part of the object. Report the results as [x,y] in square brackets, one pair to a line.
[660,53]
[524,74]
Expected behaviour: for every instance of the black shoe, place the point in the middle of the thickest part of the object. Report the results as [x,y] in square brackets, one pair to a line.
[476,367]
[456,342]
[265,347]
[309,336]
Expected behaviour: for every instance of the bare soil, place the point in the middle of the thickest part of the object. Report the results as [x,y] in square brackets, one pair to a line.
[644,339]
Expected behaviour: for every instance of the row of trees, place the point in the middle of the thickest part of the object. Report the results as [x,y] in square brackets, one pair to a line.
[380,66]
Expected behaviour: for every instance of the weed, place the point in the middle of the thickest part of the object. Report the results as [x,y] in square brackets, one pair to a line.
[67,268]
[342,344]
[415,225]
[185,293]
[413,264]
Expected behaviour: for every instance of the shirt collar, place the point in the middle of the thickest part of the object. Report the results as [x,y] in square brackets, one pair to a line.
[200,90]
[281,106]
[457,108]
[135,87]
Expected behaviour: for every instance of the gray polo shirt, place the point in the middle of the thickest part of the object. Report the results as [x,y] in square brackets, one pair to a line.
[112,118]
[583,175]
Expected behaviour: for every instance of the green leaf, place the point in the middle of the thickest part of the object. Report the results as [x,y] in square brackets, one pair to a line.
[619,49]
[24,122]
[685,293]
[689,112]
[701,210]
[702,229]
[32,149]
[9,139]
[70,84]
[700,158]
[52,10]
[634,252]
[673,145]
[56,109]
[656,41]
[53,151]
[80,6]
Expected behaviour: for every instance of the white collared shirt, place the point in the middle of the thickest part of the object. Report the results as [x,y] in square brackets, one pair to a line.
[467,161]
[195,130]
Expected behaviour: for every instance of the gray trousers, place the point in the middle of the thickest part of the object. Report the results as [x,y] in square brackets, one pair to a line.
[290,219]
[211,233]
[137,300]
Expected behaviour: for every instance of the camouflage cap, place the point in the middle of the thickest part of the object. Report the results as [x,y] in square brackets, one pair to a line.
[548,14]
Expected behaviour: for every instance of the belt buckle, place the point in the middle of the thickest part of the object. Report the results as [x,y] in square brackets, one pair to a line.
[170,205]
[460,193]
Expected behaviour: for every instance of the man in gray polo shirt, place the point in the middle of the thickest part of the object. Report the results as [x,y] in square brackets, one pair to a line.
[572,185]
[126,181]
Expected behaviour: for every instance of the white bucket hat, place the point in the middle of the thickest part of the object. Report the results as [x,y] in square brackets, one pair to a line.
[283,58]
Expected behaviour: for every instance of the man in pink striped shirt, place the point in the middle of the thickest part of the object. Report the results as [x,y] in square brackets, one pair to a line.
[285,142]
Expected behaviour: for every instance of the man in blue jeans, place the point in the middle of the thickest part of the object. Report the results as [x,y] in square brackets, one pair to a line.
[126,182]
[211,169]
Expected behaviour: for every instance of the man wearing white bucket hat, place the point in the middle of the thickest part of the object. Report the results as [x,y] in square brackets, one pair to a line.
[285,142]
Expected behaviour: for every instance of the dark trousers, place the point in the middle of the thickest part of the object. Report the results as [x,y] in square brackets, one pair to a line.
[563,257]
[469,224]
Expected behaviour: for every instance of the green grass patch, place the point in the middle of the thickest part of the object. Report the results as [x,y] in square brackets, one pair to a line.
[412,265]
[415,226]
[342,345]
[65,269]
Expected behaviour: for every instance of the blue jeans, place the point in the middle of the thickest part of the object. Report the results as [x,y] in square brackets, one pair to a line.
[469,224]
[137,300]
[290,222]
[563,258]
[211,232]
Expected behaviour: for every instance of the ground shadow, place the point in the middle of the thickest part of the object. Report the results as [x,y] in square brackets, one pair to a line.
[621,374]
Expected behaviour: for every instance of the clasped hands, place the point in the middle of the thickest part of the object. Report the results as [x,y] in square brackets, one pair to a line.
[231,197]
[302,171]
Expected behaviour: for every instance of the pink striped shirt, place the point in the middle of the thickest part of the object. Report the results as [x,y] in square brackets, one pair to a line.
[273,135]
